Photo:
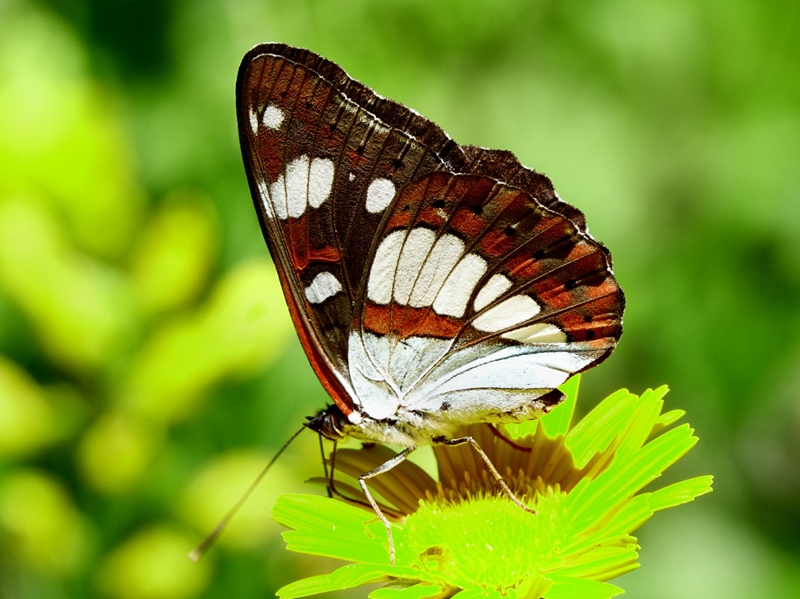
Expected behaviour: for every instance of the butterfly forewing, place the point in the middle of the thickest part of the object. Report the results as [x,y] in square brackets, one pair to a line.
[325,157]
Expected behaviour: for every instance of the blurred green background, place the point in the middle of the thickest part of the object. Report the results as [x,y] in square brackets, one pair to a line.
[148,368]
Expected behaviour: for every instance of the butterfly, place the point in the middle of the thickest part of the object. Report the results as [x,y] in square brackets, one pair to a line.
[432,285]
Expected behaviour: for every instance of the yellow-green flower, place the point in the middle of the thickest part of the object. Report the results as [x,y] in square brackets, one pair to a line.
[461,535]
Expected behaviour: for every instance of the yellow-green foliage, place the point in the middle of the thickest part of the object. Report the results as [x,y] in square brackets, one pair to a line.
[131,328]
[147,363]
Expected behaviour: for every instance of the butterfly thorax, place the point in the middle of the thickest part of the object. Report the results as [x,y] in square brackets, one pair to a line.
[406,428]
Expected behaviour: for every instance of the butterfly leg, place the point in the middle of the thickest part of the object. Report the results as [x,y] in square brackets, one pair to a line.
[328,476]
[489,465]
[499,434]
[362,480]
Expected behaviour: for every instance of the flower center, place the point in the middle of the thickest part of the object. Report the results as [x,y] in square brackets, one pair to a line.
[486,540]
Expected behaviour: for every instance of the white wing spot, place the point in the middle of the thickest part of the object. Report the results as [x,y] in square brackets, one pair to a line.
[324,286]
[297,186]
[263,193]
[514,310]
[272,117]
[304,183]
[320,181]
[438,265]
[351,176]
[415,252]
[277,196]
[384,266]
[253,120]
[455,293]
[494,288]
[416,269]
[379,195]
[537,333]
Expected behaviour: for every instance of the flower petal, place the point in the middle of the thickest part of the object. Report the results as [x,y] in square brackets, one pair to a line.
[577,588]
[414,591]
[347,577]
[681,492]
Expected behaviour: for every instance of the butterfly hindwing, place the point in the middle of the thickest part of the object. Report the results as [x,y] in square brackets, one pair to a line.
[504,166]
[480,300]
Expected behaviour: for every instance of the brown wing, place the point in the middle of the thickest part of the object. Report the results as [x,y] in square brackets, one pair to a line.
[325,156]
[457,247]
[504,166]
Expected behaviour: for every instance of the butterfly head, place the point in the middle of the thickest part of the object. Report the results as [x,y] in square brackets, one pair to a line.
[329,422]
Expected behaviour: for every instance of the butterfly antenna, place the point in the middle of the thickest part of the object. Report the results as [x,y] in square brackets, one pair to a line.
[198,552]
